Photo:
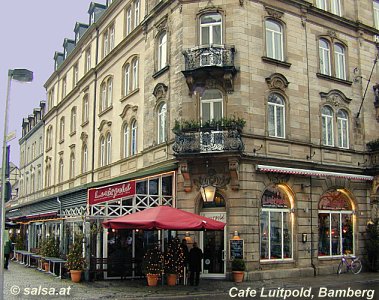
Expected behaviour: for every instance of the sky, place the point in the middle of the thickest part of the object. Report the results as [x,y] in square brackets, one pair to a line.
[31,33]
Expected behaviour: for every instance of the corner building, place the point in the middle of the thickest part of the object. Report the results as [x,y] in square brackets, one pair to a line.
[264,102]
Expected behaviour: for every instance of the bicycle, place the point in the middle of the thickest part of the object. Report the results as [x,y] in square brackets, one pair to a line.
[349,263]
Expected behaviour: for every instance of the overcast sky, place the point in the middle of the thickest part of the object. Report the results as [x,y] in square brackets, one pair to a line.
[31,33]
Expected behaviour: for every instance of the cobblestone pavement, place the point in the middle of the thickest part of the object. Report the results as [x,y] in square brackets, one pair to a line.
[28,283]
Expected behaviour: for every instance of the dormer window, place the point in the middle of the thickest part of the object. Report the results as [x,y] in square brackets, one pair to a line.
[92,18]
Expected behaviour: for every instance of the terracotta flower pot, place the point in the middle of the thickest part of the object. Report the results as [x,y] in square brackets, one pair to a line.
[238,276]
[171,279]
[152,279]
[46,266]
[76,275]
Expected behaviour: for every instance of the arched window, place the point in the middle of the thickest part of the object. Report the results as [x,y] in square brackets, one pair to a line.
[324,53]
[110,92]
[84,159]
[72,165]
[126,79]
[102,151]
[135,74]
[108,149]
[335,222]
[85,116]
[162,50]
[211,29]
[343,129]
[73,119]
[126,141]
[327,126]
[162,123]
[276,225]
[274,40]
[133,150]
[276,115]
[60,171]
[103,102]
[339,61]
[61,129]
[211,106]
[48,176]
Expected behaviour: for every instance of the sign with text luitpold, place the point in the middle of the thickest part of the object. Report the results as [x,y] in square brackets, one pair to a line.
[111,192]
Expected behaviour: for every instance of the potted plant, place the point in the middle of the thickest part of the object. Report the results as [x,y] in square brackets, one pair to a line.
[49,248]
[173,261]
[75,261]
[152,265]
[238,268]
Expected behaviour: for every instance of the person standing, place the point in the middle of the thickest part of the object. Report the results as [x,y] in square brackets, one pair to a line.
[195,257]
[7,249]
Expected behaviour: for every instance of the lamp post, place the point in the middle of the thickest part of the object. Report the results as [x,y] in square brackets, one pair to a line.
[21,75]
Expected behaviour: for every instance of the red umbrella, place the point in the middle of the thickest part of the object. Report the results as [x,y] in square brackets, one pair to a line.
[164,217]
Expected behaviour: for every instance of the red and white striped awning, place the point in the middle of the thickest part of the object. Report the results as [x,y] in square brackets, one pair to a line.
[316,173]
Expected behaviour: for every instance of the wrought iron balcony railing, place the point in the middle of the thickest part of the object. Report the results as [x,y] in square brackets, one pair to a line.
[212,56]
[205,140]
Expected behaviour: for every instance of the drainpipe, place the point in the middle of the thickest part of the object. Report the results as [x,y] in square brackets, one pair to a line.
[61,231]
[94,107]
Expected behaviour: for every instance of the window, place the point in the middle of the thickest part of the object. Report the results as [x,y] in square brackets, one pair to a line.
[126,141]
[84,159]
[105,43]
[106,94]
[49,133]
[211,29]
[75,75]
[133,150]
[336,7]
[109,149]
[50,103]
[276,225]
[39,182]
[376,14]
[211,108]
[60,171]
[72,166]
[162,50]
[324,57]
[108,40]
[276,115]
[274,40]
[335,223]
[88,59]
[162,124]
[327,126]
[332,65]
[110,92]
[343,129]
[85,109]
[135,73]
[48,176]
[73,120]
[102,151]
[126,79]
[129,21]
[136,13]
[61,129]
[64,87]
[40,146]
[322,4]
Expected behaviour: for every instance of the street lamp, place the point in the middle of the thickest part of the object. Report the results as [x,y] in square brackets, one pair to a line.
[21,75]
[208,192]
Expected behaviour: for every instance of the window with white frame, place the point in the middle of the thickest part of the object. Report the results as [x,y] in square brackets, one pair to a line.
[61,129]
[162,122]
[332,65]
[49,137]
[133,144]
[162,50]
[88,60]
[75,75]
[102,151]
[343,128]
[136,13]
[125,136]
[376,14]
[126,79]
[73,120]
[64,87]
[327,116]
[211,108]
[108,40]
[72,165]
[336,7]
[85,116]
[108,149]
[276,115]
[211,29]
[50,102]
[335,223]
[106,94]
[60,170]
[135,73]
[276,240]
[48,176]
[84,158]
[105,43]
[128,20]
[322,4]
[274,40]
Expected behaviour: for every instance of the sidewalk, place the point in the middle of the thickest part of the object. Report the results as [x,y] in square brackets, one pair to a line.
[29,283]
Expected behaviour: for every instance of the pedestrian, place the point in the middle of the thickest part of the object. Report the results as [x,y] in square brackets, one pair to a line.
[184,247]
[195,257]
[7,249]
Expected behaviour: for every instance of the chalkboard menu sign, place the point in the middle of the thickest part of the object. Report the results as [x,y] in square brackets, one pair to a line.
[236,249]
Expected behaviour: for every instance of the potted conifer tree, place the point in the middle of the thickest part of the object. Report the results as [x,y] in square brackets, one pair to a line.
[173,261]
[152,265]
[238,269]
[75,261]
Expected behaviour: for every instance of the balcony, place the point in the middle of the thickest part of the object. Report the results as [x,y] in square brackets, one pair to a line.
[215,62]
[206,140]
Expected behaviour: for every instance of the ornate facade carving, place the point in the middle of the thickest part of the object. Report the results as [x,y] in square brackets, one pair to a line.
[335,98]
[277,81]
[274,13]
[160,91]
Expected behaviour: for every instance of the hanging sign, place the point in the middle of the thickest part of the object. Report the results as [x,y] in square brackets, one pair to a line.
[111,192]
[236,249]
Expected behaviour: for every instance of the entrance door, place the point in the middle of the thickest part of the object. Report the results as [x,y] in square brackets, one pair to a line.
[213,244]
